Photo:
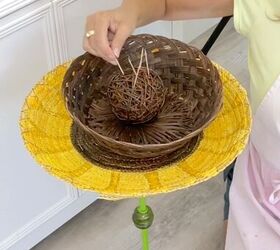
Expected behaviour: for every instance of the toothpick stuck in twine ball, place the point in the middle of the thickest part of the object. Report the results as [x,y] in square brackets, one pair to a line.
[136,97]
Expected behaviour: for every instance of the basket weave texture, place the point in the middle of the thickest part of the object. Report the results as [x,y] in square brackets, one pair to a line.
[193,97]
[136,96]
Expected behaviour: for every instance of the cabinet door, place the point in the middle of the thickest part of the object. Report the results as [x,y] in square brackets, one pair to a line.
[33,203]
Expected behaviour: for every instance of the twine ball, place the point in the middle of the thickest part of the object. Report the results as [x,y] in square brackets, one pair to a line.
[136,99]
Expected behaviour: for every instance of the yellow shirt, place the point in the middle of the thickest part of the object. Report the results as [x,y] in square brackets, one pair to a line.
[259,21]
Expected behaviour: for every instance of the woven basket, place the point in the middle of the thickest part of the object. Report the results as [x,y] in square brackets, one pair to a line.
[193,99]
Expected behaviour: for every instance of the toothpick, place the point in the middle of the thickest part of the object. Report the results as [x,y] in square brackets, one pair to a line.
[131,65]
[119,66]
[147,64]
[140,64]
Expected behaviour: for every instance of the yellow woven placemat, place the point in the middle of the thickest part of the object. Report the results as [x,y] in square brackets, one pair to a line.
[45,126]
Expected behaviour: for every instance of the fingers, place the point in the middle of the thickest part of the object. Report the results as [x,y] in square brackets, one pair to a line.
[87,47]
[110,37]
[111,29]
[120,37]
[98,44]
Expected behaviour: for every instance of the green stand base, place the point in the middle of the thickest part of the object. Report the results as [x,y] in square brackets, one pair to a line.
[143,218]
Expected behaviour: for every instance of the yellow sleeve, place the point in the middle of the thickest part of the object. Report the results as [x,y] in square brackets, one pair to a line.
[244,15]
[273,9]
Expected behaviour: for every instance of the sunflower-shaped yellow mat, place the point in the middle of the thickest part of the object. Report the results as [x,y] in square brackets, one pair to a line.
[45,125]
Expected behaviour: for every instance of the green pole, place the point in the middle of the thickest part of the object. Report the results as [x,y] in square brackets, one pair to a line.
[142,205]
[145,233]
[143,218]
[145,239]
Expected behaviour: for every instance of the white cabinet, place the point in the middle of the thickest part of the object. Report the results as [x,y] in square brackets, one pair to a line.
[33,203]
[70,19]
[35,36]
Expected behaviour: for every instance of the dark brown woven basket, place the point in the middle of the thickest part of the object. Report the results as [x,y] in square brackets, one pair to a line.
[192,101]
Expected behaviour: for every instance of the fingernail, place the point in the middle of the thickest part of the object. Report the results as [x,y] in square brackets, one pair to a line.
[113,62]
[116,52]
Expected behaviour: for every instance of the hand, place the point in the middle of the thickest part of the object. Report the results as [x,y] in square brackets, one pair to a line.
[111,29]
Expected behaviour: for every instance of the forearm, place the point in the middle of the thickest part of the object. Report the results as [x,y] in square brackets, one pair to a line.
[146,11]
[194,9]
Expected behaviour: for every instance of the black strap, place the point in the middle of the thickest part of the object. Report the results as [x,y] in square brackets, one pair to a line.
[218,30]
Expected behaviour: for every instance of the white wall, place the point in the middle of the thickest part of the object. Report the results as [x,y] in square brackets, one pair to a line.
[190,29]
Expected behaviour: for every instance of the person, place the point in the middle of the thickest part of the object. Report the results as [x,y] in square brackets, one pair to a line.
[254,219]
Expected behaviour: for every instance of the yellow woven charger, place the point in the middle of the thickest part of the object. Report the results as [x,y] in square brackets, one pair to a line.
[45,125]
[100,153]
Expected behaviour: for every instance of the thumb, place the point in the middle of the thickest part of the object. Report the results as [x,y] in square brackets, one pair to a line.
[120,37]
